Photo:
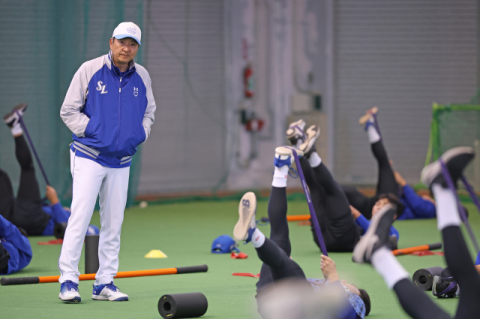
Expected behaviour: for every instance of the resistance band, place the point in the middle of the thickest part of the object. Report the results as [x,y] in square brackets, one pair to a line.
[463,216]
[32,147]
[310,205]
[471,192]
[122,274]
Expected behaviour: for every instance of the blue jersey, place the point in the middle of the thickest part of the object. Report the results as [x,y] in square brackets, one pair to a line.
[365,223]
[57,215]
[109,112]
[17,246]
[354,306]
[416,206]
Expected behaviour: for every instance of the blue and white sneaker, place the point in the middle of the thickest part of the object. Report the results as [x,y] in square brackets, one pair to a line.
[108,292]
[295,134]
[69,292]
[246,224]
[12,117]
[284,156]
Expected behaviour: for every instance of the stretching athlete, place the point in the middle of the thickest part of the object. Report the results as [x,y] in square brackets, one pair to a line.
[28,210]
[275,252]
[390,184]
[372,249]
[333,211]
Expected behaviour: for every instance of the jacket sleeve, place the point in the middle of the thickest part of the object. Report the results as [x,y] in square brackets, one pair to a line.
[149,116]
[362,222]
[420,207]
[74,102]
[394,232]
[12,235]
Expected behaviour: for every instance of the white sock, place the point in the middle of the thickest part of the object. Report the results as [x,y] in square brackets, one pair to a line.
[16,129]
[388,267]
[314,159]
[258,238]
[447,210]
[280,176]
[373,135]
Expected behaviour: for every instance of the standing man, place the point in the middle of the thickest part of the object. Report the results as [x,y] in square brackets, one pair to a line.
[110,108]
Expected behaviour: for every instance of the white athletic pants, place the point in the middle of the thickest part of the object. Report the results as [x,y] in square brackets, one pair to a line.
[111,184]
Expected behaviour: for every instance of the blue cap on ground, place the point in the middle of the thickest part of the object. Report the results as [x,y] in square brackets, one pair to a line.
[92,230]
[224,245]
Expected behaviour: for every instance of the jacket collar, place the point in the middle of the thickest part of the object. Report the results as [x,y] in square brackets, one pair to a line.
[115,69]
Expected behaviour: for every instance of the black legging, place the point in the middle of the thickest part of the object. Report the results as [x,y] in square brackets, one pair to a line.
[26,210]
[332,209]
[386,183]
[279,234]
[275,252]
[419,306]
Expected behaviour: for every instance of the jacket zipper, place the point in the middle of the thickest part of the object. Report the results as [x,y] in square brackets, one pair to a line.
[119,112]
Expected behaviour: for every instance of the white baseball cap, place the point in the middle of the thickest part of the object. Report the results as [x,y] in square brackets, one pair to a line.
[128,30]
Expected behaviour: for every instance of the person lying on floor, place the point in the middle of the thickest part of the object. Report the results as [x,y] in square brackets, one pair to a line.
[389,181]
[372,247]
[27,210]
[275,252]
[15,249]
[340,231]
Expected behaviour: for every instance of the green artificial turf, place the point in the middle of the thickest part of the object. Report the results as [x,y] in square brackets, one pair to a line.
[184,232]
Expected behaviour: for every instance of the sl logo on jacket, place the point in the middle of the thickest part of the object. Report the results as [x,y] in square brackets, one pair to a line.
[101,87]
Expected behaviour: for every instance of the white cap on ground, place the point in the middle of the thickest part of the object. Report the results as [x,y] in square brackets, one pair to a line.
[128,30]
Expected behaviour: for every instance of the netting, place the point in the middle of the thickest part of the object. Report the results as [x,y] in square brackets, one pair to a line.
[47,42]
[456,125]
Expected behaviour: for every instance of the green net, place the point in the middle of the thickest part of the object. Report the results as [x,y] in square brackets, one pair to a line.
[47,42]
[456,125]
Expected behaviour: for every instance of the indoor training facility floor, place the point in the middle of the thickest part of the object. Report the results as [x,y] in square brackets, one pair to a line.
[184,232]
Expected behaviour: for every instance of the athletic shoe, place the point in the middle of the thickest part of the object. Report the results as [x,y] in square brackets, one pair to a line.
[108,292]
[12,117]
[455,159]
[308,147]
[295,132]
[246,224]
[369,115]
[376,236]
[69,292]
[284,156]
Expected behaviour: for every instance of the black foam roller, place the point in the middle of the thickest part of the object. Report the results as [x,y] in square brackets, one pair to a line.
[59,230]
[188,305]
[423,278]
[5,281]
[91,254]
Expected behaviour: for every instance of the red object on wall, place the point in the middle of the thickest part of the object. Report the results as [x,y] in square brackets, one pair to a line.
[254,125]
[248,81]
